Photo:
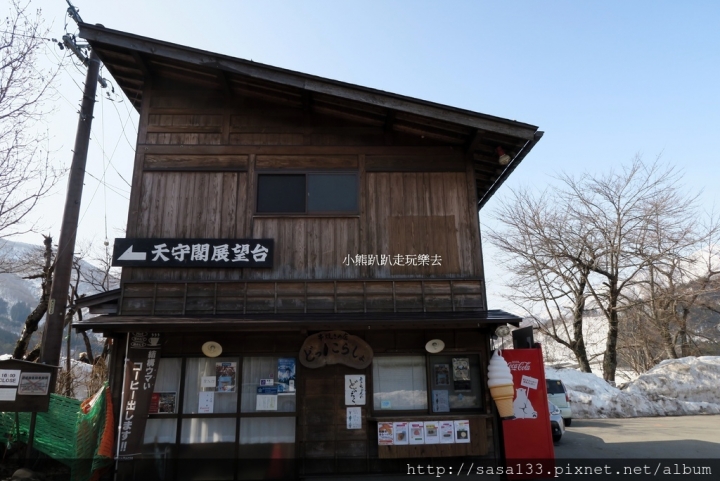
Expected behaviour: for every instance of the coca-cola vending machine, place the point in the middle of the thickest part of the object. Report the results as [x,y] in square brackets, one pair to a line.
[529,452]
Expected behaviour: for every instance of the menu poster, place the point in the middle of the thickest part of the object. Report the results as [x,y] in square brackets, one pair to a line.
[163,403]
[432,435]
[417,432]
[385,434]
[354,418]
[206,402]
[226,373]
[442,374]
[286,374]
[401,433]
[440,401]
[266,402]
[447,432]
[462,431]
[461,374]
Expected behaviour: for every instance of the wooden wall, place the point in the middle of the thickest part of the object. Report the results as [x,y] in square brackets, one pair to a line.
[195,169]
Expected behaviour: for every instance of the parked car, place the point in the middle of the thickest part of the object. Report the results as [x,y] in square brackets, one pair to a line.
[557,394]
[556,422]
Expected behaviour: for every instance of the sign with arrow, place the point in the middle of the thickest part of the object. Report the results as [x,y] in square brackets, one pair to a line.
[165,252]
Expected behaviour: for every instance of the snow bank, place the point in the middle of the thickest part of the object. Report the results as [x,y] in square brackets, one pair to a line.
[672,388]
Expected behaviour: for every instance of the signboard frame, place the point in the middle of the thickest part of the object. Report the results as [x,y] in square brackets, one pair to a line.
[23,402]
[194,252]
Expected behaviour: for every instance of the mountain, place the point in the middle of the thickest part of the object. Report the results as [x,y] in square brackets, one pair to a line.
[19,296]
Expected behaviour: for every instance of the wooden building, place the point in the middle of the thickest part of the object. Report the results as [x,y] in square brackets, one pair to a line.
[371,201]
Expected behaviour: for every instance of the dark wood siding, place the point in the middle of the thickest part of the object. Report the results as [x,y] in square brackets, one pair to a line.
[199,157]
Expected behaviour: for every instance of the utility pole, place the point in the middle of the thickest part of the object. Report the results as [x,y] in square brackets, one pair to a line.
[52,337]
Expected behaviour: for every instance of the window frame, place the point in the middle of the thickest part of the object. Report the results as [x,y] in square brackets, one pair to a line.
[428,412]
[305,173]
[237,416]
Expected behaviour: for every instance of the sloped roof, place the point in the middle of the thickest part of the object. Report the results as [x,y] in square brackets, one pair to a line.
[133,60]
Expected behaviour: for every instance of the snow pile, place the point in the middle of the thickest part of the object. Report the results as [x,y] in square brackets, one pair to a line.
[672,388]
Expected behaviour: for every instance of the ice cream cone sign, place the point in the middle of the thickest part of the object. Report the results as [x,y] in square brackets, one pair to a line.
[500,382]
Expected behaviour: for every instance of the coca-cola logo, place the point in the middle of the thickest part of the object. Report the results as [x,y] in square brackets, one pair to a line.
[519,365]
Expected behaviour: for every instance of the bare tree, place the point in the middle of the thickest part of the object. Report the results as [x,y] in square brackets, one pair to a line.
[676,285]
[637,219]
[94,279]
[26,173]
[542,278]
[607,238]
[33,319]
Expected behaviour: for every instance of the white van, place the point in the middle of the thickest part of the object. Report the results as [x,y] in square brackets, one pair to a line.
[557,394]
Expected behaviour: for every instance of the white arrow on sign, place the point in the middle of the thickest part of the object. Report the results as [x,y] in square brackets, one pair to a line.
[129,255]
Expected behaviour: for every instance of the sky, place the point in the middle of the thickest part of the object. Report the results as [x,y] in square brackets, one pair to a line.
[605,81]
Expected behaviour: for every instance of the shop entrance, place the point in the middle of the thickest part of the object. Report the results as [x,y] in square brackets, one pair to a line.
[326,444]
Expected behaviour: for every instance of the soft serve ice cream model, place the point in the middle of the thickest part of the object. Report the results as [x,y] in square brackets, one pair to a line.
[500,382]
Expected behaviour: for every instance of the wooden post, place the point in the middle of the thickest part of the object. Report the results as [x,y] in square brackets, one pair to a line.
[52,337]
[31,438]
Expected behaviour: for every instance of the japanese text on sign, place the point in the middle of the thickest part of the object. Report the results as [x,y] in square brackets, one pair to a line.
[335,347]
[193,252]
[140,373]
[355,389]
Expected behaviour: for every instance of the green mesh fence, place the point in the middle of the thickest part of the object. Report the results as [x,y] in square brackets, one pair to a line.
[64,433]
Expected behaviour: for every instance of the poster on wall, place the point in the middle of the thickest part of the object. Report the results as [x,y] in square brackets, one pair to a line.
[208,382]
[9,377]
[355,389]
[286,374]
[442,374]
[226,374]
[385,434]
[447,432]
[417,432]
[163,403]
[401,433]
[34,383]
[266,402]
[461,374]
[432,432]
[354,418]
[462,431]
[8,394]
[440,401]
[206,402]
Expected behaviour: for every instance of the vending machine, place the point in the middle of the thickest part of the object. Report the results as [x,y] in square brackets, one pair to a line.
[527,438]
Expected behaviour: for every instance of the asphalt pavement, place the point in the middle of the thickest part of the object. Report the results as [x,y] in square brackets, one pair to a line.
[631,449]
[657,438]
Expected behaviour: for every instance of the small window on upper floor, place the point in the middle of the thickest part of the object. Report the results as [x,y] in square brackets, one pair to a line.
[311,193]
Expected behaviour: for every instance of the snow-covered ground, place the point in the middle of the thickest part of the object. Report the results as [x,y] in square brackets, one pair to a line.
[675,387]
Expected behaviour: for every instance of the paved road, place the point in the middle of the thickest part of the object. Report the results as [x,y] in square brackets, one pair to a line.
[662,437]
[670,448]
[634,449]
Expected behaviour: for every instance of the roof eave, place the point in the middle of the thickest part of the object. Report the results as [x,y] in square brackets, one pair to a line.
[510,168]
[144,45]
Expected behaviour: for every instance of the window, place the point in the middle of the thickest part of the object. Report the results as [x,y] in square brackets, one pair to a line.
[203,377]
[218,407]
[399,383]
[207,409]
[257,368]
[309,193]
[457,379]
[402,383]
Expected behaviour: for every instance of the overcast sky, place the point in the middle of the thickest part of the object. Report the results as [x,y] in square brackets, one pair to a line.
[604,80]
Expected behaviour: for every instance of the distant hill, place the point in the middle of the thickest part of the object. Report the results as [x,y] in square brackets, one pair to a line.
[19,296]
